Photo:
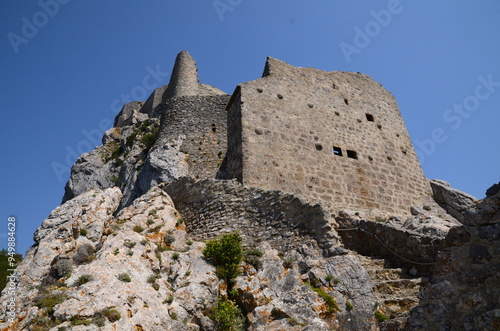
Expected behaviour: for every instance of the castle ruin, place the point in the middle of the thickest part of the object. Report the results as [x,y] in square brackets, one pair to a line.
[333,137]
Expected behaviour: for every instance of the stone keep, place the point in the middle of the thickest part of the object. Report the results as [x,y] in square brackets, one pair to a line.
[332,137]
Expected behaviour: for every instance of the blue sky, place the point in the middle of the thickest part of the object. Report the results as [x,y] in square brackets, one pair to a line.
[68,66]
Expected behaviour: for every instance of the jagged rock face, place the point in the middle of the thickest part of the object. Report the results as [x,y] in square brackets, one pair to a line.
[457,203]
[124,263]
[464,293]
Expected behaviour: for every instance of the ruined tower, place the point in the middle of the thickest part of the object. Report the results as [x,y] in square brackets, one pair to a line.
[333,137]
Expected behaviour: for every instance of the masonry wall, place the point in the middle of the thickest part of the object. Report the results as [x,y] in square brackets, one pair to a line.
[211,207]
[333,137]
[200,122]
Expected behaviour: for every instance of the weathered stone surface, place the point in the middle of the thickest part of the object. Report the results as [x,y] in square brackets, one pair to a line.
[464,293]
[130,114]
[457,203]
[286,221]
[493,190]
[333,137]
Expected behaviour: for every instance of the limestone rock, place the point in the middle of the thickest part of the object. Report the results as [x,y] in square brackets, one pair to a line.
[130,114]
[457,203]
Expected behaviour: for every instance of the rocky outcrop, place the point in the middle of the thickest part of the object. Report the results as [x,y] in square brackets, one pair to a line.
[464,293]
[140,269]
[457,203]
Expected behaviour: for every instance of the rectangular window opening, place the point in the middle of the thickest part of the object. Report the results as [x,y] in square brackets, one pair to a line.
[352,154]
[369,118]
[337,151]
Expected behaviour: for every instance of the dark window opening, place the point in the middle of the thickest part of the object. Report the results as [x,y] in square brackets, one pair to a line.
[280,96]
[260,90]
[319,147]
[379,126]
[214,128]
[334,86]
[346,101]
[369,118]
[337,151]
[352,154]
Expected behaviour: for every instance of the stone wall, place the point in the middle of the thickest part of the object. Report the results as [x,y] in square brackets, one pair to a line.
[200,122]
[333,137]
[211,207]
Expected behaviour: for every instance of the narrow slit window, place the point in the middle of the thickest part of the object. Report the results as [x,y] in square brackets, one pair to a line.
[369,118]
[214,128]
[352,154]
[337,151]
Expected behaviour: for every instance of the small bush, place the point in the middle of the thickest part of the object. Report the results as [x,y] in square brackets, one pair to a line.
[124,277]
[254,253]
[381,317]
[138,228]
[152,279]
[227,315]
[189,242]
[187,273]
[329,300]
[49,301]
[116,251]
[348,305]
[144,242]
[77,320]
[150,222]
[175,256]
[169,299]
[130,252]
[226,253]
[152,212]
[84,254]
[173,315]
[83,232]
[62,268]
[156,286]
[113,315]
[129,244]
[83,279]
[169,239]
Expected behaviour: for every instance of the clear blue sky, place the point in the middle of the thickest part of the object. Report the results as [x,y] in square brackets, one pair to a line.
[68,65]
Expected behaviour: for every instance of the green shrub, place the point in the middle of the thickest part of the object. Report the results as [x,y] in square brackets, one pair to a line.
[169,299]
[83,232]
[348,305]
[113,315]
[227,315]
[62,268]
[329,300]
[381,317]
[175,256]
[138,228]
[124,277]
[226,253]
[83,279]
[169,239]
[144,242]
[77,320]
[152,212]
[189,242]
[254,253]
[150,138]
[49,301]
[84,254]
[173,315]
[129,244]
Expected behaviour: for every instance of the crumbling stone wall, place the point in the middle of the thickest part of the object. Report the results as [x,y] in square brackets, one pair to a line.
[211,207]
[200,122]
[333,137]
